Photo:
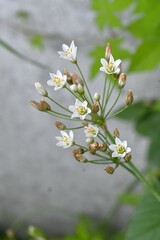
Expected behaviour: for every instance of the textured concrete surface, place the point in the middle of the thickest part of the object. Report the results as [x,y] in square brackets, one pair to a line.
[39,182]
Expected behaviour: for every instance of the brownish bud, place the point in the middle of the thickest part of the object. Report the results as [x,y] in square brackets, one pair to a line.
[108,51]
[85,124]
[41,106]
[128,157]
[77,151]
[122,80]
[93,147]
[60,125]
[80,158]
[95,107]
[116,133]
[10,234]
[109,169]
[102,147]
[129,98]
[69,77]
[76,79]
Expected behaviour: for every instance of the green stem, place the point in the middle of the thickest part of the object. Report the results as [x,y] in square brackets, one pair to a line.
[103,96]
[58,104]
[75,128]
[56,114]
[113,104]
[84,82]
[117,112]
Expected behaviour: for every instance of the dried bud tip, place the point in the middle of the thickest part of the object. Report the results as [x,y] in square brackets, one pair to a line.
[97,96]
[95,107]
[77,151]
[102,147]
[60,125]
[128,157]
[122,80]
[80,158]
[85,124]
[69,77]
[41,106]
[129,98]
[108,51]
[40,89]
[76,79]
[109,169]
[116,133]
[93,147]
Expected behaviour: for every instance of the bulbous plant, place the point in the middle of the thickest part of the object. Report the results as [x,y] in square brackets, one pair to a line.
[92,113]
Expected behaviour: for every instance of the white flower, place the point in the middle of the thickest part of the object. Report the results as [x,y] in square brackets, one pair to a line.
[40,89]
[69,53]
[66,140]
[57,80]
[80,109]
[91,131]
[111,66]
[119,149]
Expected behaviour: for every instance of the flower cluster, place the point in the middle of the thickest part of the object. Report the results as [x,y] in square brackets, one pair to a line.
[90,112]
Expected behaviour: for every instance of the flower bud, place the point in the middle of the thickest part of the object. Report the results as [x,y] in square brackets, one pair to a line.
[76,79]
[69,77]
[128,157]
[60,125]
[129,98]
[95,107]
[97,96]
[93,147]
[77,151]
[122,80]
[89,140]
[74,87]
[102,147]
[85,124]
[40,89]
[109,169]
[116,133]
[108,51]
[80,158]
[80,88]
[10,233]
[41,106]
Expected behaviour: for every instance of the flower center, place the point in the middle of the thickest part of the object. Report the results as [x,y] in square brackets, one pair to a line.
[110,67]
[120,149]
[58,81]
[65,139]
[68,51]
[91,130]
[81,110]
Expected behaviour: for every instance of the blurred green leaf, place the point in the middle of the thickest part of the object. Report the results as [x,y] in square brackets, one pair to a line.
[145,224]
[129,198]
[37,41]
[154,151]
[22,14]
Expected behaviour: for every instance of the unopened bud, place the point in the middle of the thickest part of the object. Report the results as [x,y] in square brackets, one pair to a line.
[60,125]
[97,96]
[122,80]
[80,88]
[74,88]
[10,234]
[95,107]
[41,106]
[77,151]
[102,147]
[128,157]
[109,169]
[80,158]
[129,98]
[76,79]
[40,89]
[69,77]
[108,51]
[116,133]
[89,140]
[85,124]
[93,147]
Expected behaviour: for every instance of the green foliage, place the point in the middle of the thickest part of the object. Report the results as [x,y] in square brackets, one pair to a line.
[145,224]
[129,198]
[146,116]
[37,41]
[22,14]
[143,25]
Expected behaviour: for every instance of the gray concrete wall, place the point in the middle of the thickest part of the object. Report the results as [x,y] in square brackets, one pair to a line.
[39,182]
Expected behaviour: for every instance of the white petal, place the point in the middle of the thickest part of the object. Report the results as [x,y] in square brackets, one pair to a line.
[115,154]
[59,74]
[72,45]
[125,143]
[60,144]
[128,150]
[118,141]
[50,83]
[64,134]
[102,69]
[71,134]
[117,63]
[111,59]
[104,62]
[58,138]
[72,108]
[88,110]
[112,147]
[64,47]
[84,104]
[78,103]
[52,75]
[117,71]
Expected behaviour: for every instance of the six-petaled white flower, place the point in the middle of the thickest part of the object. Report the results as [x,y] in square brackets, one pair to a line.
[91,131]
[69,53]
[119,149]
[66,140]
[80,109]
[111,66]
[57,80]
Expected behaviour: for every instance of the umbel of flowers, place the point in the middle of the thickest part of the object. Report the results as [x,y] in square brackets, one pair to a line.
[89,111]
